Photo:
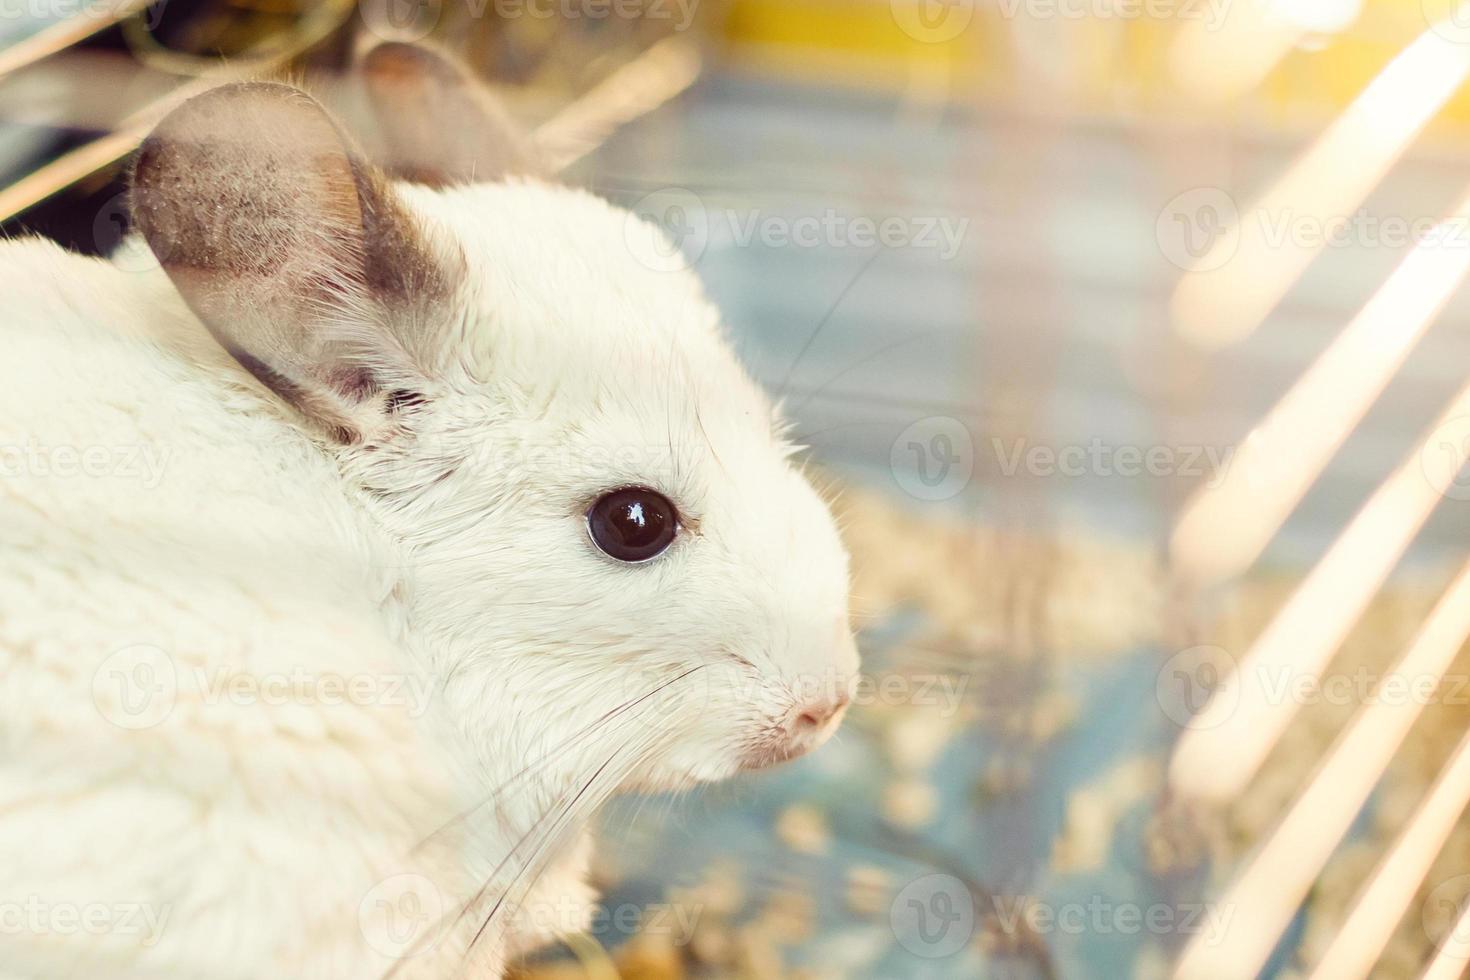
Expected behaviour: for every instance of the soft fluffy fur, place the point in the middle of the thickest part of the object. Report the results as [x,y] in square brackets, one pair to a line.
[446,555]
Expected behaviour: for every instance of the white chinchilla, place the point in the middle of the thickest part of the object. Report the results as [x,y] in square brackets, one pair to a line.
[355,552]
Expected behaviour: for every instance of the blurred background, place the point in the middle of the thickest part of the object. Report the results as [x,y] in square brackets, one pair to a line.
[1128,336]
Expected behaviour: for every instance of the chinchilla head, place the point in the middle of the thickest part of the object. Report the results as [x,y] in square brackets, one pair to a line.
[606,555]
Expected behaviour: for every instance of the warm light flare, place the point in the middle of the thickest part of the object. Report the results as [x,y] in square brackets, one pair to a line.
[1318,16]
[1216,61]
[1243,276]
[1224,528]
[1386,896]
[1453,955]
[1230,738]
[1266,895]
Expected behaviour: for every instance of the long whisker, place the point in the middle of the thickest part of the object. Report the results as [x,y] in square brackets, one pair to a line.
[911,338]
[499,902]
[554,750]
[440,929]
[538,858]
[559,814]
[812,337]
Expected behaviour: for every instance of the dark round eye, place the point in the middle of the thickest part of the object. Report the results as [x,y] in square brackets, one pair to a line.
[632,524]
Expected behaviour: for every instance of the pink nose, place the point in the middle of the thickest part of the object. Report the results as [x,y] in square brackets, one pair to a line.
[815,716]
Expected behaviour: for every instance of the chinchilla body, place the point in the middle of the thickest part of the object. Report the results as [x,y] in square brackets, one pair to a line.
[362,530]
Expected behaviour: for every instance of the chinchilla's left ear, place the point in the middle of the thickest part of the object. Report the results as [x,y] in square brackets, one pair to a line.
[298,257]
[437,123]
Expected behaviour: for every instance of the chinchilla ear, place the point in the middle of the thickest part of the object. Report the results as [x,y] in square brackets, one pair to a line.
[297,257]
[438,124]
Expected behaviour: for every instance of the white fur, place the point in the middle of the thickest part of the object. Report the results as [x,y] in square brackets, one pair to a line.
[455,563]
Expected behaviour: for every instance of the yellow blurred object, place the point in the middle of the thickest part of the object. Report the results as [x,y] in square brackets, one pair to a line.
[650,956]
[856,42]
[1280,62]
